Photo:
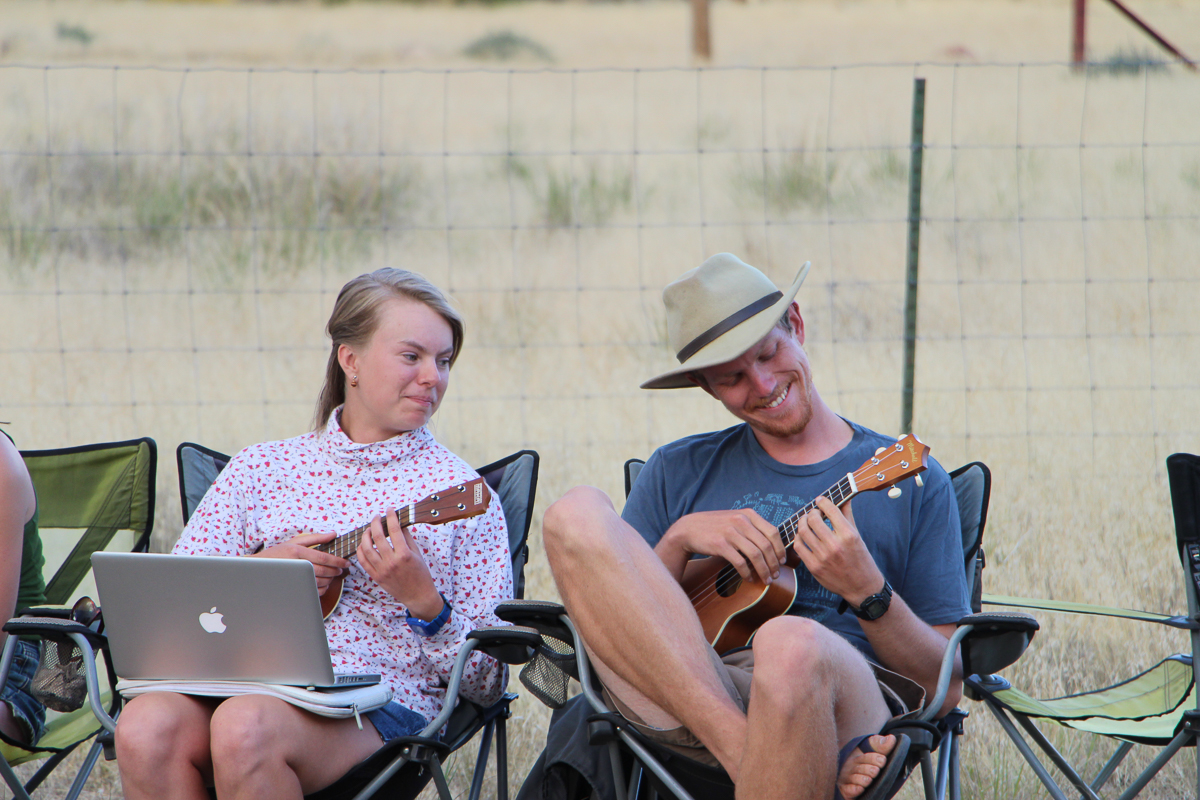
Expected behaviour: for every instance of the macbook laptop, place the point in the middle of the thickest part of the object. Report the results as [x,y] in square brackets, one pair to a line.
[215,618]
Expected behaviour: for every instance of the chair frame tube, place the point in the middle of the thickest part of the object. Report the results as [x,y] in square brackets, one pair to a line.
[645,756]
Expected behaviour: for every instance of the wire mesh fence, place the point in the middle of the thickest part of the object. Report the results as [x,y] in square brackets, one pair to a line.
[171,241]
[173,238]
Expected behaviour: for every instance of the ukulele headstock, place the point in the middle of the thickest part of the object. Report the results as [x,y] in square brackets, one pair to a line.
[907,457]
[464,500]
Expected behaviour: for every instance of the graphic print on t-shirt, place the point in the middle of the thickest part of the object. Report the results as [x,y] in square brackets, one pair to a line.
[812,599]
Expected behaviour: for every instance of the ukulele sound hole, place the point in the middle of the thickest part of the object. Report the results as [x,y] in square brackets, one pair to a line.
[728,581]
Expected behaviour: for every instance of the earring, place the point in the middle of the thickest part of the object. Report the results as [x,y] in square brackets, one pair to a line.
[354,380]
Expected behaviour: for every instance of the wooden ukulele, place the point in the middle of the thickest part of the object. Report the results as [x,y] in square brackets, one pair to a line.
[732,609]
[469,499]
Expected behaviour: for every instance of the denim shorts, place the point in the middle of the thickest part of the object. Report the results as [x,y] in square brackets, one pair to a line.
[29,713]
[394,720]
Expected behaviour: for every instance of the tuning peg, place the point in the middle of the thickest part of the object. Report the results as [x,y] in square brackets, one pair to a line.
[894,492]
[920,481]
[880,450]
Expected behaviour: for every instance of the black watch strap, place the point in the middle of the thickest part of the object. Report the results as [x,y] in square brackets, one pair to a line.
[872,607]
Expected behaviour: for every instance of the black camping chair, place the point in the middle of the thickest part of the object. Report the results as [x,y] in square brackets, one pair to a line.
[403,767]
[1158,707]
[641,768]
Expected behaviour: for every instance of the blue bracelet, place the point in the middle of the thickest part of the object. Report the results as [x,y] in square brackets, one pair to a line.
[423,628]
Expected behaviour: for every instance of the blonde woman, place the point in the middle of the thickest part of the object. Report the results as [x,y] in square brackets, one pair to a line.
[408,601]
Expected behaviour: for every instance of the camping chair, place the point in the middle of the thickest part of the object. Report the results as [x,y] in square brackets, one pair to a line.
[642,768]
[1157,707]
[90,498]
[404,766]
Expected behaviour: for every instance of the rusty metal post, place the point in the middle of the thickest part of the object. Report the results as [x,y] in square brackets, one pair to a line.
[1079,37]
[701,35]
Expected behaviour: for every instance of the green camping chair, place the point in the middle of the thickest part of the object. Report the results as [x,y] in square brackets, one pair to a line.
[404,766]
[1158,707]
[90,498]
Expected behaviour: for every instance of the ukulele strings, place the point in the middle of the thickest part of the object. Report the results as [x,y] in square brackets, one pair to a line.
[347,543]
[710,591]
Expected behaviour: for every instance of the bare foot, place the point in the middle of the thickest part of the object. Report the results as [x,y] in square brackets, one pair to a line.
[861,768]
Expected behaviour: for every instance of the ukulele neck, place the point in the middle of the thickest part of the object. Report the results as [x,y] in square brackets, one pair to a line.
[345,545]
[838,494]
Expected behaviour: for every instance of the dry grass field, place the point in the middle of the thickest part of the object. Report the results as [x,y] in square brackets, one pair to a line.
[184,187]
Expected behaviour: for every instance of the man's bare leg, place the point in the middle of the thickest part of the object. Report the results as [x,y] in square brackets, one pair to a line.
[639,624]
[812,692]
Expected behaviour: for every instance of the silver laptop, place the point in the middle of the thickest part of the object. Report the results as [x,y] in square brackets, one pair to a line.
[215,618]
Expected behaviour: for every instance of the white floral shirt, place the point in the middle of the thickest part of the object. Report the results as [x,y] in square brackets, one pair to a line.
[324,482]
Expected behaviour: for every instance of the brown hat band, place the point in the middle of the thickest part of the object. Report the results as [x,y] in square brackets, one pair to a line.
[726,325]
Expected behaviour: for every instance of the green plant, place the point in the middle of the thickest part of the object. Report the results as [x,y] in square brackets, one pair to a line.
[505,46]
[74,33]
[564,200]
[1127,62]
[788,180]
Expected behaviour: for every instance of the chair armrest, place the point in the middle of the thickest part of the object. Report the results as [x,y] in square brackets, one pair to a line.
[531,612]
[40,626]
[512,644]
[995,640]
[990,642]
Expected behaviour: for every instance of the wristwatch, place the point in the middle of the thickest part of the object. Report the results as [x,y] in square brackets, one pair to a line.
[873,607]
[423,628]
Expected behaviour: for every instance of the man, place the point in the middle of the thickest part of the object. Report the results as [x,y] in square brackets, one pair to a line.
[775,715]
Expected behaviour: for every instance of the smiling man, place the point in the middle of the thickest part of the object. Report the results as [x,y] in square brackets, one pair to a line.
[878,589]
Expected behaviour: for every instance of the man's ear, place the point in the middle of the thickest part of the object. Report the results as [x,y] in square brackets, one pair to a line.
[347,359]
[797,321]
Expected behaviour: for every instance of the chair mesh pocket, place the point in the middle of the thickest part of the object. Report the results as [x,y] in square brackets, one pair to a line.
[548,673]
[59,682]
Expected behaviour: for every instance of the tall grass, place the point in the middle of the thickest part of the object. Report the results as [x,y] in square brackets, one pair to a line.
[285,213]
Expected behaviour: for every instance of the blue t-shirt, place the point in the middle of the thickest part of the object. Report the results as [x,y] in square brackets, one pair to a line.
[915,539]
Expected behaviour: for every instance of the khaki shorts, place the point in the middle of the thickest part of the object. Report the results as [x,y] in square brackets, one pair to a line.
[904,698]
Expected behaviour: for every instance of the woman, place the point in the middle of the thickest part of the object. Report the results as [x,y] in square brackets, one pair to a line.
[408,601]
[22,718]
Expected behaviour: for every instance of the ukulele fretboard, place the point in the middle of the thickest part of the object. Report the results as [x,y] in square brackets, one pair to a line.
[839,493]
[345,545]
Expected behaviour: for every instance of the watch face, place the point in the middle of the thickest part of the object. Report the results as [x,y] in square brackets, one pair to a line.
[874,607]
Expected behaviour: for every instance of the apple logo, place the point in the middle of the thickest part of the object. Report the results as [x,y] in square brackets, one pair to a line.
[212,621]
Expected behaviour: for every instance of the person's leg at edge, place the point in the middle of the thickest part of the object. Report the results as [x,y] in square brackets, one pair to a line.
[811,693]
[162,747]
[639,624]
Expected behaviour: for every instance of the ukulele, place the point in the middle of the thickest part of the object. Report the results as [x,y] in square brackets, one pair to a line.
[469,499]
[731,608]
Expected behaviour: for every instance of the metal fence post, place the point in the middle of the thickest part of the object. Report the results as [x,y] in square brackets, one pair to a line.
[917,149]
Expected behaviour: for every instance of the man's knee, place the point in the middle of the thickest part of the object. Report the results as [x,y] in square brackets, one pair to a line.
[567,520]
[798,661]
[792,646]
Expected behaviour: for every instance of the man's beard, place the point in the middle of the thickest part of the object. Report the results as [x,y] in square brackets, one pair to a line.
[786,428]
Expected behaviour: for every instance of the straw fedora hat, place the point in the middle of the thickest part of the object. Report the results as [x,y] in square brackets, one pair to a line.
[718,311]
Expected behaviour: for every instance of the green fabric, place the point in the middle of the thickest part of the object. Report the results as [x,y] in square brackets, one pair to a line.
[1149,706]
[1073,608]
[32,589]
[101,491]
